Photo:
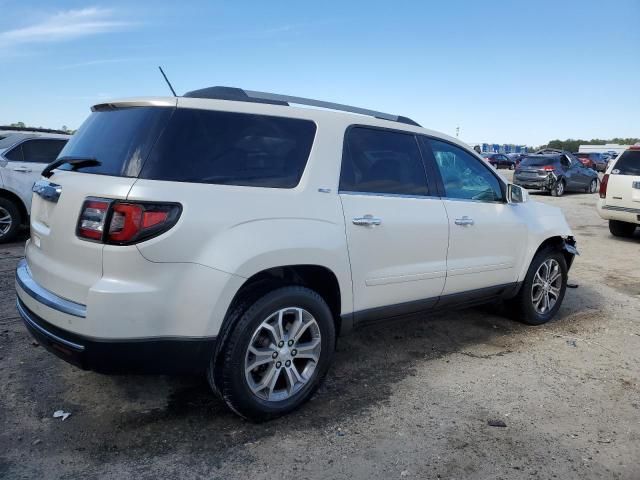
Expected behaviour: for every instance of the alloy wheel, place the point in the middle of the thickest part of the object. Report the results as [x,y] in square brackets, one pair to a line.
[283,354]
[5,221]
[547,285]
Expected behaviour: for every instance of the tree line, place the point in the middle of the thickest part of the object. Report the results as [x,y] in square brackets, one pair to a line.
[572,145]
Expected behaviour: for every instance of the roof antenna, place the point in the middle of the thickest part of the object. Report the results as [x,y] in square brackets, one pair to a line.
[168,82]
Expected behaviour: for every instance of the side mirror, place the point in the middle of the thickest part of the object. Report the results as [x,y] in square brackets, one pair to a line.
[516,194]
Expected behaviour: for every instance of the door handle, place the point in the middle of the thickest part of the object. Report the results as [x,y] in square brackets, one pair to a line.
[464,221]
[21,170]
[367,221]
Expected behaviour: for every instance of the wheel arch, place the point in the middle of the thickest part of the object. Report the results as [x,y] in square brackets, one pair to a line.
[22,208]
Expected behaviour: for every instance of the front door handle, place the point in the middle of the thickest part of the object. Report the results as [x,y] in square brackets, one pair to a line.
[21,170]
[464,221]
[367,221]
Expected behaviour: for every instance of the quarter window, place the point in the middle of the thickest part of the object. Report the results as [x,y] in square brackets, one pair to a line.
[15,155]
[463,175]
[382,161]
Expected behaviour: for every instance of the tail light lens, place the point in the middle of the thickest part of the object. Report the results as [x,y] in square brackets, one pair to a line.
[603,186]
[548,168]
[124,223]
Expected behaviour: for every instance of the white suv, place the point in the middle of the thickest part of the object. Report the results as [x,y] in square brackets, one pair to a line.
[23,155]
[230,233]
[620,193]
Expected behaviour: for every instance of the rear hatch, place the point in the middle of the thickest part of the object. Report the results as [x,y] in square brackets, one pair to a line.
[119,139]
[535,167]
[623,187]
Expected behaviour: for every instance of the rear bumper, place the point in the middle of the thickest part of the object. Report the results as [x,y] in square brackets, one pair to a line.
[154,354]
[622,214]
[532,184]
[160,356]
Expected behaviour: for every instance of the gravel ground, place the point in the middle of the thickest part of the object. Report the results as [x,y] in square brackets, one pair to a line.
[408,400]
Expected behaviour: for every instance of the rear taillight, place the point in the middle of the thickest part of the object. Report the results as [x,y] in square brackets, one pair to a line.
[93,218]
[123,223]
[603,186]
[548,168]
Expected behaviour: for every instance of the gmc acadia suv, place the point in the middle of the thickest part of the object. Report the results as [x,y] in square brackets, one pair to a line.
[229,233]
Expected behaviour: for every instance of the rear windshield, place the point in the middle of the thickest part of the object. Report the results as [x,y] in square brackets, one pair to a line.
[119,139]
[629,163]
[536,161]
[199,146]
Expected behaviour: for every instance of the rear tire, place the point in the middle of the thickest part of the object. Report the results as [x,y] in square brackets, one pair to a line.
[593,186]
[290,377]
[10,220]
[621,229]
[512,166]
[559,189]
[541,282]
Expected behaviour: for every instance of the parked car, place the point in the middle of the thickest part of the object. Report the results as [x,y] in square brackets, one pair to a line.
[229,233]
[555,173]
[23,155]
[620,193]
[516,157]
[587,159]
[598,161]
[499,160]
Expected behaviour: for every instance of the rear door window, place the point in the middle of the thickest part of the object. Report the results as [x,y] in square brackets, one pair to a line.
[628,163]
[383,162]
[42,150]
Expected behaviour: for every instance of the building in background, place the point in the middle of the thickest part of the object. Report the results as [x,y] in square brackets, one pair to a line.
[606,148]
[498,147]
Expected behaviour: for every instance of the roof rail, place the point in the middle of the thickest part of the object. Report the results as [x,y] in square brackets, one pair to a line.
[240,95]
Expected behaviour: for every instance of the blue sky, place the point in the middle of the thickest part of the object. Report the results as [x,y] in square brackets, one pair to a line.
[503,71]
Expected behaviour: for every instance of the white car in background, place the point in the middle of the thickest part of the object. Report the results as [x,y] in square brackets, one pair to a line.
[23,156]
[620,193]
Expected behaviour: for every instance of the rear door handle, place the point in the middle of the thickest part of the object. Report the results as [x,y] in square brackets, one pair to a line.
[464,221]
[367,221]
[21,170]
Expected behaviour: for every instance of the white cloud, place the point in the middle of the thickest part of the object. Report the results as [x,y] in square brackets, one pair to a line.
[65,25]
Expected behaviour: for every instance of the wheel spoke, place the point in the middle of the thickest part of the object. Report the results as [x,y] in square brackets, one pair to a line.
[274,333]
[264,381]
[292,380]
[262,356]
[308,350]
[556,275]
[297,324]
[536,297]
[555,291]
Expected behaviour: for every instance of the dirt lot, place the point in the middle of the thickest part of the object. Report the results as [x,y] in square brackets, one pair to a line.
[409,400]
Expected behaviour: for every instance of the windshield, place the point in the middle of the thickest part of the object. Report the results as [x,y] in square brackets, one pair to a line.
[537,161]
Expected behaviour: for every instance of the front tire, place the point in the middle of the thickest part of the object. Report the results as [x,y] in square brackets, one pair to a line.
[10,220]
[621,229]
[276,355]
[543,289]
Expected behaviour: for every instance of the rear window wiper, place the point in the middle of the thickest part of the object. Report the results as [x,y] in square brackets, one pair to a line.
[75,162]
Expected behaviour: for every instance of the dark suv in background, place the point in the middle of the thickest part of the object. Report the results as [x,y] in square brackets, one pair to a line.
[555,172]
